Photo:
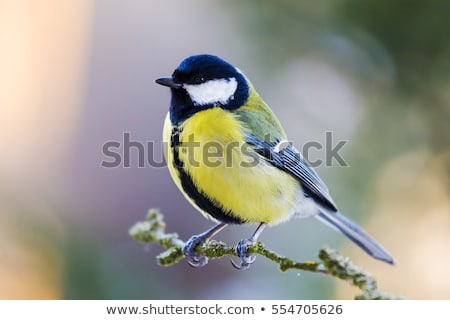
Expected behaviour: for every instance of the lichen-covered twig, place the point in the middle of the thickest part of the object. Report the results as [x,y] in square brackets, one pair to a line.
[153,229]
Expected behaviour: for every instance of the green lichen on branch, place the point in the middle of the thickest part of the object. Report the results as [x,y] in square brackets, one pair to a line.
[153,230]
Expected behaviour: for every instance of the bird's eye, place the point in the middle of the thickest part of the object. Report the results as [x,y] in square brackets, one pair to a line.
[198,79]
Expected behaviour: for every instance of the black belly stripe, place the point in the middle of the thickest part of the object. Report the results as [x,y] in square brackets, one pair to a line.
[203,202]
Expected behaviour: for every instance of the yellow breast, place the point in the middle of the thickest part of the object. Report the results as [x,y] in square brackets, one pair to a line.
[226,170]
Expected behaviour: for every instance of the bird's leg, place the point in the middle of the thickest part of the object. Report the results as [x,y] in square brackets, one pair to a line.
[195,259]
[242,247]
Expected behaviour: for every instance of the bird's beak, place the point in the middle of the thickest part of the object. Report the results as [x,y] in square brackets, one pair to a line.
[168,82]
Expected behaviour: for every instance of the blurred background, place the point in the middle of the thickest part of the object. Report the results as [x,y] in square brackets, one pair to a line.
[77,74]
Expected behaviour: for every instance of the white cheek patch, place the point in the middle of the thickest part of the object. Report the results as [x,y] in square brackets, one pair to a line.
[213,91]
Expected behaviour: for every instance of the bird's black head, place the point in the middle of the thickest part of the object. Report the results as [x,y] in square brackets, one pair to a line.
[204,81]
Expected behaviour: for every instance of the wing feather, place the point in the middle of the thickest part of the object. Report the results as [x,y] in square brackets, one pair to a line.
[289,159]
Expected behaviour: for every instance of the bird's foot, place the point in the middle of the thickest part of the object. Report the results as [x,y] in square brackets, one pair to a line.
[195,259]
[242,253]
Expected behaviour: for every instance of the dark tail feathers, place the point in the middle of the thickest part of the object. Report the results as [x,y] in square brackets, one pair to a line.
[355,233]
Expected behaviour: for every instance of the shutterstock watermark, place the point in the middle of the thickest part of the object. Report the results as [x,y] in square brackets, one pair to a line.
[127,152]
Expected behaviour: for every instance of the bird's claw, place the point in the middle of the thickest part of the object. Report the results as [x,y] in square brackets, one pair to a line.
[242,253]
[194,259]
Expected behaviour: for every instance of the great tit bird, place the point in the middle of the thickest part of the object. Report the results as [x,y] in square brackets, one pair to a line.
[230,157]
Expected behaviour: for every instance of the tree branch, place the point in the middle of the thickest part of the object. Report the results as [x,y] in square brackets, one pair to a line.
[331,262]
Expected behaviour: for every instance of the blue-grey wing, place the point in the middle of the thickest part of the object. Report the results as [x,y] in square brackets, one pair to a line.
[284,156]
